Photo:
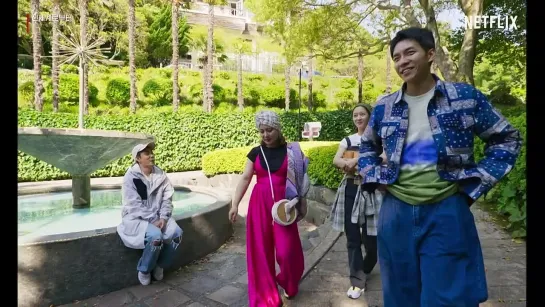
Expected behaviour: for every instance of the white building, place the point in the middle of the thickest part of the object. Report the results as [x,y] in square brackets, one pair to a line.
[233,17]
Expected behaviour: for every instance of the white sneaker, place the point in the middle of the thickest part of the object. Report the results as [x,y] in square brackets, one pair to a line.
[158,273]
[285,294]
[354,292]
[144,279]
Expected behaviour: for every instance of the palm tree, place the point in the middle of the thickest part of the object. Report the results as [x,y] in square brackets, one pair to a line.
[388,72]
[132,66]
[55,53]
[199,44]
[84,12]
[175,55]
[209,70]
[37,55]
[241,47]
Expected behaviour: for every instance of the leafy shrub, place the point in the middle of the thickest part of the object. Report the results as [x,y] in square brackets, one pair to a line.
[273,96]
[253,77]
[224,75]
[69,68]
[26,89]
[160,90]
[118,92]
[348,83]
[69,89]
[232,160]
[196,91]
[318,99]
[165,73]
[344,97]
[321,170]
[501,95]
[251,94]
[46,70]
[277,81]
[222,94]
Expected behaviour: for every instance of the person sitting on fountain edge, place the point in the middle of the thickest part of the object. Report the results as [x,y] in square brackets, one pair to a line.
[147,221]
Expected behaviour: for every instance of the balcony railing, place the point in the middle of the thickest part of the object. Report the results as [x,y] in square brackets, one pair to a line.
[223,10]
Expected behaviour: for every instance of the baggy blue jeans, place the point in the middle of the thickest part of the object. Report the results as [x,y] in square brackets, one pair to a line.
[430,255]
[158,251]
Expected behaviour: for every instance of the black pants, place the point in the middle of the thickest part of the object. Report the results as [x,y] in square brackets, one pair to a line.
[355,237]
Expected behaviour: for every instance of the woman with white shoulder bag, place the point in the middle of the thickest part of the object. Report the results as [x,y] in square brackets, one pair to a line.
[276,205]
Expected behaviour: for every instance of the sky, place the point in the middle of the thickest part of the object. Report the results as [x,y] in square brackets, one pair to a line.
[454,17]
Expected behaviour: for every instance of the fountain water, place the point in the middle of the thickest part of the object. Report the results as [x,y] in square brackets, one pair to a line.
[78,152]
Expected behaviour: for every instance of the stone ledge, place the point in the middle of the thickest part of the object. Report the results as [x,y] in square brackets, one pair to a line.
[61,271]
[329,238]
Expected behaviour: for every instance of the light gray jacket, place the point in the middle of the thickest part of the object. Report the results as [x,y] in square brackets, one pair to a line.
[145,202]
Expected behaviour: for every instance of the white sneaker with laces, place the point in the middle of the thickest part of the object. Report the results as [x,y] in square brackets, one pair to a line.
[144,279]
[158,273]
[354,292]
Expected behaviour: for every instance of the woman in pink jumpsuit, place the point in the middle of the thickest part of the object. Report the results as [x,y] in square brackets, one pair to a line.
[267,241]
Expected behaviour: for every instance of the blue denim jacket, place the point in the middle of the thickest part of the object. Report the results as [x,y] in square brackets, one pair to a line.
[457,112]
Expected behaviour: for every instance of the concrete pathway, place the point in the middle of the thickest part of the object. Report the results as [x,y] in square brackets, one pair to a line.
[219,279]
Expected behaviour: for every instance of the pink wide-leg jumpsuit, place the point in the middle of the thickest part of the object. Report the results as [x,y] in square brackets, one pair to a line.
[264,240]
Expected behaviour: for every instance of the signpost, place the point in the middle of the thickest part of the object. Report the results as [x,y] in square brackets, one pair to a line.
[311,130]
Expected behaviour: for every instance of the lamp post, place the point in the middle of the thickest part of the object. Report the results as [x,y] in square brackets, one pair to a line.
[303,65]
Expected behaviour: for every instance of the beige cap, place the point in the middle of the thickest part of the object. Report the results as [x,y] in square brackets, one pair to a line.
[140,147]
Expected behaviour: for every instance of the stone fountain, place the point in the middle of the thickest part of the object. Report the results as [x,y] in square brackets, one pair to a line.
[78,152]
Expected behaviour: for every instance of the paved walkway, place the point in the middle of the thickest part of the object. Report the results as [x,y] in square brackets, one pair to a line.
[220,278]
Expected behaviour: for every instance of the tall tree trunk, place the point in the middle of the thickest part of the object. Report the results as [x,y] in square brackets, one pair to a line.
[83,10]
[466,58]
[55,55]
[309,75]
[240,98]
[175,56]
[388,72]
[360,78]
[37,56]
[81,96]
[210,50]
[433,68]
[204,82]
[132,56]
[86,89]
[287,86]
[443,60]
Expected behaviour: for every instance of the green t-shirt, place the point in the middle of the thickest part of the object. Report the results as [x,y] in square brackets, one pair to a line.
[418,182]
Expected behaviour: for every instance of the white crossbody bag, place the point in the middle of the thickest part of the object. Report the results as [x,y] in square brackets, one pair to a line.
[283,211]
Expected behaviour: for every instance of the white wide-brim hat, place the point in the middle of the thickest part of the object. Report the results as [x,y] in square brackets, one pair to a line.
[284,212]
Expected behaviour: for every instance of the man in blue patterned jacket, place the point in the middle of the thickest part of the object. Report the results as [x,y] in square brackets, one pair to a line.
[428,246]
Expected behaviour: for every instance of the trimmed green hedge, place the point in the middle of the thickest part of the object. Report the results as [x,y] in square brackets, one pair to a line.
[232,161]
[321,169]
[182,138]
